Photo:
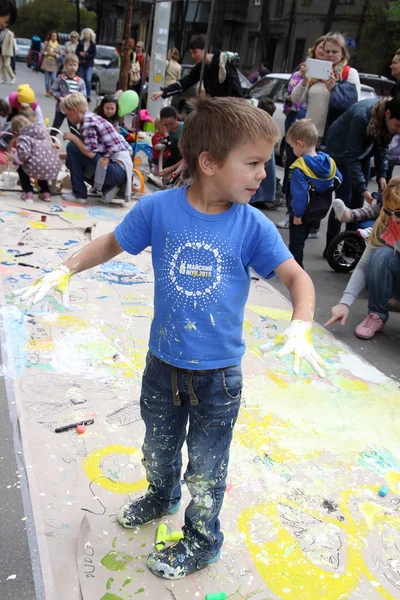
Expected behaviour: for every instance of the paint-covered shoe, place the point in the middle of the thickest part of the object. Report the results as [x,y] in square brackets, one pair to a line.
[178,561]
[27,197]
[143,510]
[369,327]
[45,196]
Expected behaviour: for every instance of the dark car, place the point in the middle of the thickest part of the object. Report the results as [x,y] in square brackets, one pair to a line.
[382,85]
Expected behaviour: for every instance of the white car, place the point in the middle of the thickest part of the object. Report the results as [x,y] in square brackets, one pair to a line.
[105,55]
[23,46]
[274,86]
[105,78]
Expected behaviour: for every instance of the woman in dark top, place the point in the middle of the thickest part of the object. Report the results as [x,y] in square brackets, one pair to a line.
[86,51]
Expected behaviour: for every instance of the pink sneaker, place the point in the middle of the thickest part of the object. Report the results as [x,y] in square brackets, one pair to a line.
[27,196]
[46,196]
[369,327]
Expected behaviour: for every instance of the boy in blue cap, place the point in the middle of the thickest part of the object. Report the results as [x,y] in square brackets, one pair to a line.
[313,179]
[205,239]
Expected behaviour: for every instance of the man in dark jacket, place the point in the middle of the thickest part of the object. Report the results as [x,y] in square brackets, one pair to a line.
[220,75]
[351,145]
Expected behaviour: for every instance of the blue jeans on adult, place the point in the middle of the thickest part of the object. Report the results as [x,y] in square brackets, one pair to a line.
[86,74]
[82,167]
[209,401]
[267,189]
[49,79]
[350,197]
[383,279]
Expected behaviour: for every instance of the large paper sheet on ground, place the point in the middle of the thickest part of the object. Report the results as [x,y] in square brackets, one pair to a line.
[302,518]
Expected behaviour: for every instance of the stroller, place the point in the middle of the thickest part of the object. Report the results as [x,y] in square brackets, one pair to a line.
[346,249]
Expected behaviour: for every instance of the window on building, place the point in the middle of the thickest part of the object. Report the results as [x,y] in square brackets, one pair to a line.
[257,2]
[252,50]
[279,8]
[299,52]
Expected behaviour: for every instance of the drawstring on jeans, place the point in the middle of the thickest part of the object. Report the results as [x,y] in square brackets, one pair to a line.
[176,399]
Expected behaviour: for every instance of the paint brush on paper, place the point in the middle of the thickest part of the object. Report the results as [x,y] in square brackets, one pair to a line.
[21,264]
[25,254]
[73,425]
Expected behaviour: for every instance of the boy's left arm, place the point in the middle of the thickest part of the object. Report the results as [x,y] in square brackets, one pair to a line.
[299,191]
[297,339]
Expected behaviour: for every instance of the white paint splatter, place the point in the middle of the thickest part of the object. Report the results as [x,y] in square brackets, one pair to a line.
[11,577]
[212,320]
[360,369]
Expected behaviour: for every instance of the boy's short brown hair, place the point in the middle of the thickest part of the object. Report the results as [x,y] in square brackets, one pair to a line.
[218,125]
[18,123]
[70,58]
[303,130]
[5,109]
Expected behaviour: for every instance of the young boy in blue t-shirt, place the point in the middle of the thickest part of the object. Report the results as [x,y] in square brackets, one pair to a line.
[205,239]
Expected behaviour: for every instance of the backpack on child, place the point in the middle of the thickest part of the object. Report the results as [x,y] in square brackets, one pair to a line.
[134,71]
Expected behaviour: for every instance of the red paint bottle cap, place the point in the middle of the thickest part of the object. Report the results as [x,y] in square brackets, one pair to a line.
[81,428]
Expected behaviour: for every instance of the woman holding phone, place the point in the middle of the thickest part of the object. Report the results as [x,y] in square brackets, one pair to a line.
[330,96]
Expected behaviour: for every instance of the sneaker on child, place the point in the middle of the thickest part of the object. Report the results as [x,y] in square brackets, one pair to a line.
[342,213]
[178,561]
[143,510]
[284,224]
[364,233]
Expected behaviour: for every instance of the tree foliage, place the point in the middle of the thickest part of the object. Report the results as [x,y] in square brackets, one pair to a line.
[43,16]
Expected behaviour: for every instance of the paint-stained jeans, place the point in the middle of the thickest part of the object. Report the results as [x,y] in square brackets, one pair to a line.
[209,401]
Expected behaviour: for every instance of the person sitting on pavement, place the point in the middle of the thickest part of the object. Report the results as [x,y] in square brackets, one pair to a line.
[378,268]
[23,97]
[205,239]
[220,75]
[66,83]
[35,156]
[108,109]
[169,120]
[100,144]
[313,179]
[364,130]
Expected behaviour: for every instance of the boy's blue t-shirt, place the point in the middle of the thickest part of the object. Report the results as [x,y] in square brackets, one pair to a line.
[202,274]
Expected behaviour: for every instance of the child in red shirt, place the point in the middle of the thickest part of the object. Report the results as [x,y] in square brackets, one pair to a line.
[159,141]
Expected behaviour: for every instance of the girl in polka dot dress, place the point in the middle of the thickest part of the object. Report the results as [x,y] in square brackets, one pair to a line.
[36,157]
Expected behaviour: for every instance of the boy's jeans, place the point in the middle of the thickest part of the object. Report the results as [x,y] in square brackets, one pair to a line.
[82,167]
[209,401]
[383,280]
[298,235]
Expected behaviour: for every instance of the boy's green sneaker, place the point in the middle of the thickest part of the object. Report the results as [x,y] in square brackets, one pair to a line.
[143,510]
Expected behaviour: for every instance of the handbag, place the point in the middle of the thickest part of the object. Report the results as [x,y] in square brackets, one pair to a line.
[134,71]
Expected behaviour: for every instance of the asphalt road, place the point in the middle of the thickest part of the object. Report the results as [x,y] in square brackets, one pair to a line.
[17,538]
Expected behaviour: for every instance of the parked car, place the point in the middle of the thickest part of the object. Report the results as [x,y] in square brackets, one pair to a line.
[23,46]
[274,86]
[382,85]
[105,55]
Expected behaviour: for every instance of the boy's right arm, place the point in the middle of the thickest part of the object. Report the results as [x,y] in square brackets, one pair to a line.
[55,89]
[97,252]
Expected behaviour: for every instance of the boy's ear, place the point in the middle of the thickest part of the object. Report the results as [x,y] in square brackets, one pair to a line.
[207,164]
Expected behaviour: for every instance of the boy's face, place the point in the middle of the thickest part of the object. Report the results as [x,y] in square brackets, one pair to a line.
[4,21]
[170,124]
[297,147]
[71,68]
[240,175]
[197,55]
[74,115]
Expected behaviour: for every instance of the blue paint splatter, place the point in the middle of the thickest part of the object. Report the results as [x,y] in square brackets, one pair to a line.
[378,460]
[115,271]
[16,336]
[103,215]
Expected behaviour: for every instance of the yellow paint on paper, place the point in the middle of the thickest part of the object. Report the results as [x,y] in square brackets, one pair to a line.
[277,314]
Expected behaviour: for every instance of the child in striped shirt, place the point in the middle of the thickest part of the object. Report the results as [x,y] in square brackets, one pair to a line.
[66,83]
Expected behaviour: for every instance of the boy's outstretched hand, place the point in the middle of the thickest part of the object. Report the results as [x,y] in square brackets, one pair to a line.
[55,280]
[297,340]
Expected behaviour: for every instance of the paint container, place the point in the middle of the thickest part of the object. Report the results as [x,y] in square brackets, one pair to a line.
[383,491]
[219,596]
[81,429]
[43,218]
[175,536]
[10,179]
[162,533]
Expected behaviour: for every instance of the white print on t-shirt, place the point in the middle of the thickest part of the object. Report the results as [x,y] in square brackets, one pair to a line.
[196,266]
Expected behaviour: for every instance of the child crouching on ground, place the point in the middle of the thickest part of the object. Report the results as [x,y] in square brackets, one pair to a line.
[313,179]
[192,382]
[35,156]
[159,141]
